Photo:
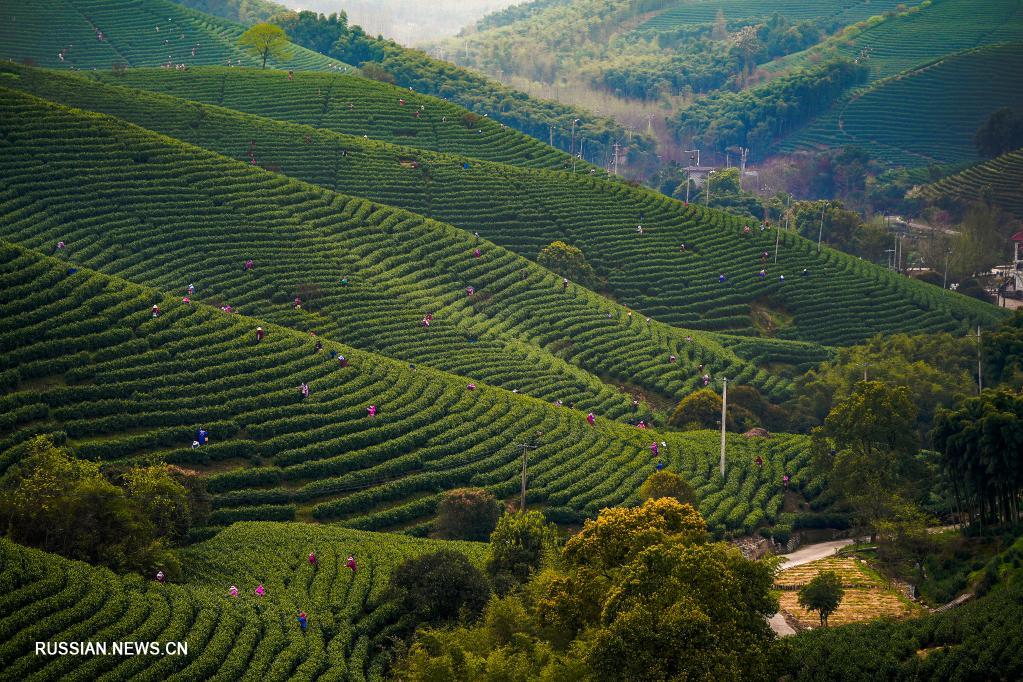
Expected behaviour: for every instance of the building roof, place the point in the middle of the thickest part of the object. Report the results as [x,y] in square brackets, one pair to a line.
[1018,237]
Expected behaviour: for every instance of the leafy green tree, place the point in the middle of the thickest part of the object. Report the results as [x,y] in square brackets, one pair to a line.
[1003,352]
[467,514]
[58,503]
[265,41]
[568,261]
[162,499]
[823,594]
[667,484]
[867,449]
[982,241]
[639,593]
[698,410]
[981,442]
[935,368]
[439,587]
[1002,132]
[747,42]
[518,546]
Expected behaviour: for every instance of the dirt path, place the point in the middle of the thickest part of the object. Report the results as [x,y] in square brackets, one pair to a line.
[803,555]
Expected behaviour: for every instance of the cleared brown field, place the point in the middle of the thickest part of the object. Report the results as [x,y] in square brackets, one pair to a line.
[866,597]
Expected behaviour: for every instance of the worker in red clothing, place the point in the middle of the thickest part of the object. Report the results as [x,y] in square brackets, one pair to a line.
[259,334]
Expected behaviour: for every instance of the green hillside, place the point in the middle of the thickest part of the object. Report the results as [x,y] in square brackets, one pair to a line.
[835,303]
[695,12]
[930,113]
[933,30]
[85,361]
[354,106]
[48,598]
[135,33]
[999,181]
[304,240]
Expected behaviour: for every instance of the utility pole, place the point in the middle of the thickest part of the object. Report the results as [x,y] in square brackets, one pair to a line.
[777,240]
[980,378]
[615,160]
[572,148]
[820,233]
[865,365]
[526,447]
[707,198]
[944,279]
[551,130]
[724,421]
[694,155]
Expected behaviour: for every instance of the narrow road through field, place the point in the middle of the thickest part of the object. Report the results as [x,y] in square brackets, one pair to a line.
[803,555]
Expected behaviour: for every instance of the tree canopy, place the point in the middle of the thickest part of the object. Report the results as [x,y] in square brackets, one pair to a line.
[265,41]
[638,593]
[822,594]
[867,448]
[981,442]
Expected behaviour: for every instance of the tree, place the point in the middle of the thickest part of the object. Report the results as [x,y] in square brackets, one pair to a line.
[667,484]
[56,502]
[1003,352]
[935,368]
[265,41]
[568,261]
[867,449]
[698,410]
[982,240]
[823,594]
[467,514]
[981,442]
[1001,133]
[639,593]
[439,587]
[747,41]
[518,546]
[162,499]
[720,30]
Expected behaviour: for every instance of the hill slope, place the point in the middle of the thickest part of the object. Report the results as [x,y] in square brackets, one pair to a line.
[354,106]
[999,180]
[84,360]
[513,329]
[930,113]
[524,210]
[48,598]
[135,33]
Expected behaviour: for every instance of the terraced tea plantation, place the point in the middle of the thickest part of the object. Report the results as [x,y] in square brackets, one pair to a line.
[998,180]
[834,302]
[66,34]
[690,12]
[85,361]
[354,106]
[512,330]
[912,114]
[47,598]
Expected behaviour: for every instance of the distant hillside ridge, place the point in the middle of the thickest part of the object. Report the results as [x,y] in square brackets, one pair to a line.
[525,210]
[97,34]
[370,275]
[928,113]
[998,181]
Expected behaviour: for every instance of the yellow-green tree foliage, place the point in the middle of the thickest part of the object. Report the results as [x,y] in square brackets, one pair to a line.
[568,261]
[265,41]
[698,410]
